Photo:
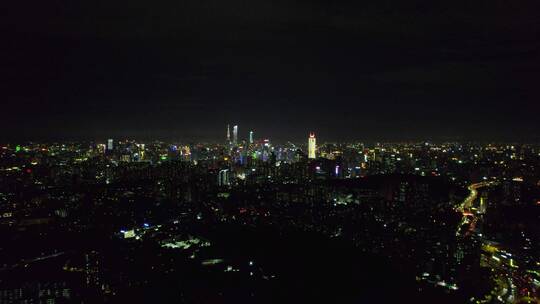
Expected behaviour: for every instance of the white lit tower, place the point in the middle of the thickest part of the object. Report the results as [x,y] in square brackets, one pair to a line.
[251,137]
[235,135]
[228,134]
[312,146]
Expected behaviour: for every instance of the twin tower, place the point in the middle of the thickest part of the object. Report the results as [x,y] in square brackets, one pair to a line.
[235,135]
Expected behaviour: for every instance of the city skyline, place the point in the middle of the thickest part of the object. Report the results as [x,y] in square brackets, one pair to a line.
[270,151]
[280,133]
[128,221]
[234,135]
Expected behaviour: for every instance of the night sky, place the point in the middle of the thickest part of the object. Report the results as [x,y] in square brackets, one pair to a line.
[348,70]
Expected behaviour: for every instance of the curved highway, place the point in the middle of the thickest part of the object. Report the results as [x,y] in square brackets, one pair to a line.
[510,279]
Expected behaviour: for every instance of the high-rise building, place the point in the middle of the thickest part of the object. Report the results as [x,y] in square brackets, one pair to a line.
[228,134]
[142,151]
[223,177]
[235,134]
[250,137]
[102,148]
[110,145]
[312,146]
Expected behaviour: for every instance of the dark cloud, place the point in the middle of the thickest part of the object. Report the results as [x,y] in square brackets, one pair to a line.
[350,70]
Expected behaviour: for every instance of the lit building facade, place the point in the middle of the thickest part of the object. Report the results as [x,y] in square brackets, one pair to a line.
[312,146]
[235,135]
[223,177]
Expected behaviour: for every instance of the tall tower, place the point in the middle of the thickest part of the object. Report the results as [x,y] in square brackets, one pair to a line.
[312,145]
[235,134]
[142,152]
[110,144]
[250,137]
[228,134]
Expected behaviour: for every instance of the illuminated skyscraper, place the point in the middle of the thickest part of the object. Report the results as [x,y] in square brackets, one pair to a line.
[110,144]
[223,177]
[312,145]
[142,151]
[235,134]
[228,134]
[102,148]
[250,137]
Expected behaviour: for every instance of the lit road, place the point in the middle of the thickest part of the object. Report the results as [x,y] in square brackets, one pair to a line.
[26,262]
[467,204]
[511,280]
[469,218]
